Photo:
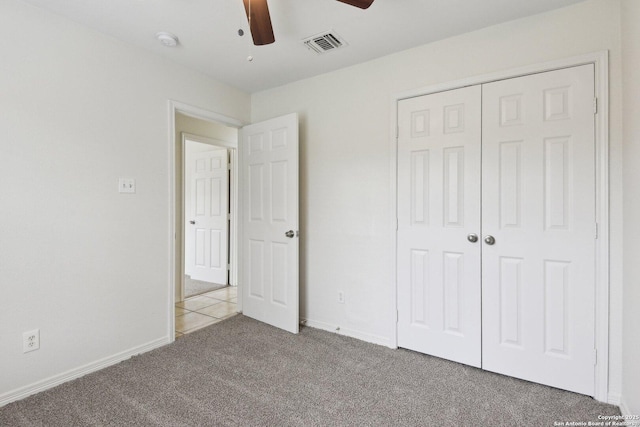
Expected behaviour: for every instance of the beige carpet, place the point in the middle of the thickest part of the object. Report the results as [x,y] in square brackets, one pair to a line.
[240,372]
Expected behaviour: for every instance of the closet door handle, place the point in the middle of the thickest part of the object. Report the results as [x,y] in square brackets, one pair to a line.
[472,237]
[489,240]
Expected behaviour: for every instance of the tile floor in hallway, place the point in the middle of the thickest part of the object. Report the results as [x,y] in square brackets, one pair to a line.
[205,309]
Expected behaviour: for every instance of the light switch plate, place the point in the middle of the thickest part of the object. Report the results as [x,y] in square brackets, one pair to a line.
[126,185]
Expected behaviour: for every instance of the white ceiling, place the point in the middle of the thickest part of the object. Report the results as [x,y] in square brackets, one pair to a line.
[209,41]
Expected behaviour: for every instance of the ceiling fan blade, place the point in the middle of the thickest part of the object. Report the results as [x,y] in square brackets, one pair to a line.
[259,22]
[362,4]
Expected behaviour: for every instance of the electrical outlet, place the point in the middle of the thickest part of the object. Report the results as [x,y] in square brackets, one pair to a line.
[341,297]
[30,340]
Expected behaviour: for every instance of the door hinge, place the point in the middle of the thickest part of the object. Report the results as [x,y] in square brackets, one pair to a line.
[397,223]
[228,267]
[596,230]
[595,356]
[595,105]
[228,217]
[397,132]
[397,316]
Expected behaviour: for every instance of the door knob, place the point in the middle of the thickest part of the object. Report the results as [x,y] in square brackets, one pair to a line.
[290,234]
[472,237]
[192,222]
[489,240]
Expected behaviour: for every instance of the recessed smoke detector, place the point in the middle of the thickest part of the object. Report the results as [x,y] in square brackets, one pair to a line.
[167,39]
[324,42]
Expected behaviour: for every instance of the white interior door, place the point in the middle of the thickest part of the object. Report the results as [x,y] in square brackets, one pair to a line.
[206,239]
[438,209]
[538,203]
[269,170]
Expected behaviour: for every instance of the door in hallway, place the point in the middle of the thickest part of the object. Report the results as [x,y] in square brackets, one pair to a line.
[206,240]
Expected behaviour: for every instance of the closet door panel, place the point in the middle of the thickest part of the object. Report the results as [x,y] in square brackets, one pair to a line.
[538,203]
[438,207]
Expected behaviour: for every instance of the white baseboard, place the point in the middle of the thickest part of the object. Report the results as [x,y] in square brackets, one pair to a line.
[614,399]
[363,336]
[72,374]
[624,409]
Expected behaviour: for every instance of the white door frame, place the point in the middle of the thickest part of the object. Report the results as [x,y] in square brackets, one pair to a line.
[176,245]
[233,199]
[601,64]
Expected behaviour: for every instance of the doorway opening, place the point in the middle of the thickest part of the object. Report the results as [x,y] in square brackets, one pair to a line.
[206,213]
[268,209]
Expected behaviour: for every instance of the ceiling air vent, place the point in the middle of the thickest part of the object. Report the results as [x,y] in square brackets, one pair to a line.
[325,42]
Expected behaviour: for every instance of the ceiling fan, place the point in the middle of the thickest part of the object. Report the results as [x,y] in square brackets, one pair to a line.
[260,20]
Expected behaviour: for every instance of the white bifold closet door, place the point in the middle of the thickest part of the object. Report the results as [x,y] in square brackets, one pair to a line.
[538,202]
[439,206]
[519,300]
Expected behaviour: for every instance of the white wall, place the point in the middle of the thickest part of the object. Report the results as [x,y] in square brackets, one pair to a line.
[346,222]
[631,68]
[86,265]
